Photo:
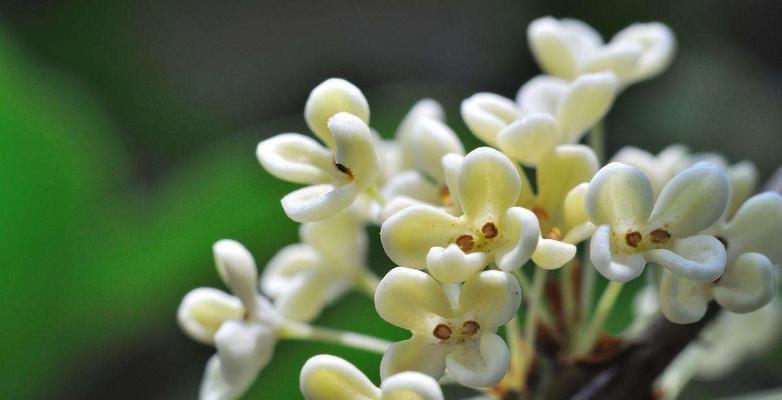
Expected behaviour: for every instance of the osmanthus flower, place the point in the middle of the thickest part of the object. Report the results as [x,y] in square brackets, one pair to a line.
[243,326]
[569,48]
[326,377]
[303,278]
[633,229]
[549,111]
[491,229]
[753,250]
[452,328]
[337,113]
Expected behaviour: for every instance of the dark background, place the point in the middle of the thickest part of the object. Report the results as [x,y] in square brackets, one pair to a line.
[127,140]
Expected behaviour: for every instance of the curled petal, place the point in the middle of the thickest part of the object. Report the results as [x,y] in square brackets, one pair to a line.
[309,292]
[203,310]
[699,258]
[486,114]
[522,232]
[491,297]
[552,254]
[615,266]
[743,178]
[423,109]
[542,95]
[415,354]
[657,44]
[410,386]
[331,97]
[747,284]
[560,172]
[480,367]
[244,349]
[575,210]
[619,194]
[452,265]
[340,240]
[756,227]
[660,168]
[433,140]
[558,46]
[488,183]
[530,138]
[237,267]
[295,158]
[682,301]
[411,299]
[355,148]
[325,377]
[692,201]
[619,58]
[214,386]
[408,235]
[318,202]
[413,185]
[397,204]
[452,164]
[288,263]
[588,99]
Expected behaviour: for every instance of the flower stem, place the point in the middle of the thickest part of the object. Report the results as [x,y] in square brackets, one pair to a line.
[513,334]
[596,141]
[530,326]
[301,331]
[367,282]
[526,292]
[568,294]
[604,308]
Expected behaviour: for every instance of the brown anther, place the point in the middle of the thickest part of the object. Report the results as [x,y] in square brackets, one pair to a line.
[445,196]
[553,233]
[723,241]
[470,328]
[345,170]
[490,230]
[442,332]
[541,213]
[465,242]
[633,238]
[659,236]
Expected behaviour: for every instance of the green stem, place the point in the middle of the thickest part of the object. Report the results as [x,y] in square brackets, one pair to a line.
[301,331]
[513,334]
[596,141]
[538,279]
[526,291]
[568,294]
[604,308]
[367,282]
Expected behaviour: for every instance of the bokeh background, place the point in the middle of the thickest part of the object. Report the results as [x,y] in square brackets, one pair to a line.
[127,137]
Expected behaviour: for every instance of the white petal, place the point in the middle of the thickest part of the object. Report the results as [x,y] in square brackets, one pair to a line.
[552,254]
[747,284]
[408,235]
[355,148]
[699,258]
[658,45]
[325,377]
[340,240]
[452,265]
[318,202]
[214,385]
[295,158]
[682,301]
[488,183]
[411,299]
[522,232]
[330,97]
[615,266]
[561,171]
[203,310]
[587,101]
[743,178]
[619,58]
[283,268]
[452,164]
[482,368]
[244,349]
[692,201]
[559,46]
[418,353]
[660,168]
[423,109]
[237,267]
[411,184]
[309,292]
[486,114]
[619,195]
[397,204]
[542,95]
[756,227]
[530,138]
[432,141]
[410,386]
[575,214]
[491,297]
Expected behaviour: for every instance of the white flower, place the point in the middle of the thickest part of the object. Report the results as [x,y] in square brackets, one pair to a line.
[326,377]
[460,336]
[491,228]
[549,111]
[634,230]
[303,278]
[569,48]
[337,113]
[659,168]
[751,238]
[244,328]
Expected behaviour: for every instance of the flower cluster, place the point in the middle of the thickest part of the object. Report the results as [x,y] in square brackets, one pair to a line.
[461,227]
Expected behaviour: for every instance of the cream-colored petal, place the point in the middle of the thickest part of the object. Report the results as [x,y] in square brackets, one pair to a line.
[452,164]
[410,386]
[355,149]
[521,230]
[408,235]
[419,353]
[432,141]
[411,184]
[318,202]
[309,292]
[326,377]
[699,258]
[244,349]
[203,310]
[541,95]
[659,168]
[340,240]
[331,97]
[559,46]
[682,301]
[560,172]
[756,228]
[620,58]
[579,233]
[619,194]
[452,265]
[552,254]
[295,158]
[615,266]
[488,183]
[743,178]
[480,366]
[283,268]
[411,299]
[423,109]
[237,267]
[486,114]
[530,138]
[575,210]
[491,298]
[398,204]
[587,101]
[747,284]
[658,46]
[214,385]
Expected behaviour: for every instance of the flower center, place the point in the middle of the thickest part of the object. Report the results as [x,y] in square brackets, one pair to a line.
[445,197]
[465,242]
[470,328]
[489,230]
[345,170]
[633,238]
[442,332]
[659,236]
[445,331]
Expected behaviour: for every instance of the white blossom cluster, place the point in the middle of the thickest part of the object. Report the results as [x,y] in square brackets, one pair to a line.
[461,225]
